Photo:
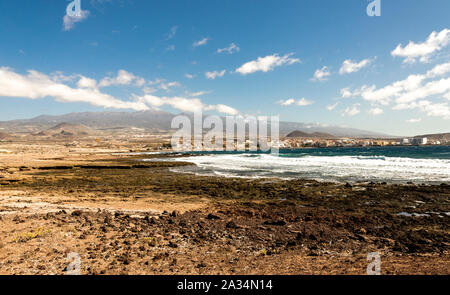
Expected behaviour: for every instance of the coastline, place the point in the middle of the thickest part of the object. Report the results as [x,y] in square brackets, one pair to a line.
[397,166]
[123,216]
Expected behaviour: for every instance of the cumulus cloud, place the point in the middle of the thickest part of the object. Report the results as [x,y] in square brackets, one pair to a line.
[201,42]
[352,111]
[123,78]
[58,76]
[198,93]
[349,66]
[70,21]
[213,75]
[85,82]
[414,120]
[301,102]
[321,74]
[432,109]
[413,92]
[168,85]
[224,109]
[155,85]
[286,102]
[185,104]
[375,111]
[409,89]
[304,102]
[189,76]
[332,107]
[230,49]
[345,93]
[266,64]
[37,85]
[423,51]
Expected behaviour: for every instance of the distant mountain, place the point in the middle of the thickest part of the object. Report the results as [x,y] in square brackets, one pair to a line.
[106,120]
[156,121]
[67,129]
[301,134]
[4,135]
[438,136]
[288,127]
[297,133]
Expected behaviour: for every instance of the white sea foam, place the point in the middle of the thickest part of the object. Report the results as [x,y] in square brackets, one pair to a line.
[335,168]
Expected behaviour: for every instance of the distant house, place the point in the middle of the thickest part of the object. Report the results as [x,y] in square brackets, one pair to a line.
[419,140]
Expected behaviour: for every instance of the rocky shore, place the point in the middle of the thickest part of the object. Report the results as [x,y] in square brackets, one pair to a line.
[125,216]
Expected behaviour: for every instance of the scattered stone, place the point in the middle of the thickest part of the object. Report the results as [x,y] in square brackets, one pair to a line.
[212,217]
[76,213]
[275,222]
[232,225]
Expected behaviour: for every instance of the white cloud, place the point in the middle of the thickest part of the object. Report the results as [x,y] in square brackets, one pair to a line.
[375,111]
[87,83]
[224,109]
[168,85]
[439,70]
[201,42]
[266,64]
[286,102]
[301,102]
[172,32]
[447,96]
[431,109]
[215,74]
[349,66]
[304,102]
[423,51]
[36,85]
[411,92]
[414,120]
[352,111]
[58,76]
[185,104]
[149,90]
[321,74]
[406,90]
[345,93]
[332,107]
[189,76]
[123,78]
[230,49]
[70,21]
[431,88]
[161,84]
[198,93]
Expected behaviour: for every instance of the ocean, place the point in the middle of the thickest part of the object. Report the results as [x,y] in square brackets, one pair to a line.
[418,164]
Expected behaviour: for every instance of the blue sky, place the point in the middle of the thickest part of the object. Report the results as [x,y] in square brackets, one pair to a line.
[308,61]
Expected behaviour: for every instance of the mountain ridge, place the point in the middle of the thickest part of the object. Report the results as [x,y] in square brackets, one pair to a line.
[158,121]
[301,134]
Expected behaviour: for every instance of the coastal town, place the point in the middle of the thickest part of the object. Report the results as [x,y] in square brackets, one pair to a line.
[295,142]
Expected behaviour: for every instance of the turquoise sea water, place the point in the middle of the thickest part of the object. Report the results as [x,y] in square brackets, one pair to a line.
[419,164]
